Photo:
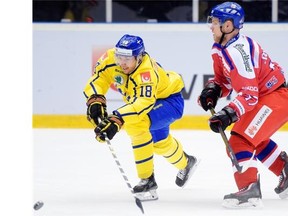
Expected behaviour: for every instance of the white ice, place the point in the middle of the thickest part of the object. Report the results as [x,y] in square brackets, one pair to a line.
[74,175]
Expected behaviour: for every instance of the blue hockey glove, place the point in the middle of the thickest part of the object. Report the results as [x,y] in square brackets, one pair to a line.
[96,108]
[209,96]
[108,127]
[223,118]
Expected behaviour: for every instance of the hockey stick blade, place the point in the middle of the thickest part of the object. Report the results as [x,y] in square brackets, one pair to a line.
[139,204]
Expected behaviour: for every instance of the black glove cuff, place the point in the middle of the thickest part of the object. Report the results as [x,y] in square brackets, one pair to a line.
[215,87]
[117,114]
[231,113]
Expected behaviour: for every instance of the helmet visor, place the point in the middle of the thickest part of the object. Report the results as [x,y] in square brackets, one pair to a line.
[120,59]
[213,21]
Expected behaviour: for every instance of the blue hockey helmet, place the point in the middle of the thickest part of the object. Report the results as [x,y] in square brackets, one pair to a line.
[229,11]
[130,45]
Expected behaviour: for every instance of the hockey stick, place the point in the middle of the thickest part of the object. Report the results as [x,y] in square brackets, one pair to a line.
[138,201]
[233,158]
[229,149]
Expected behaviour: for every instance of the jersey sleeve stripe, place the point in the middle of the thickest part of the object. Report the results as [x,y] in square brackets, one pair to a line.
[227,59]
[106,67]
[252,51]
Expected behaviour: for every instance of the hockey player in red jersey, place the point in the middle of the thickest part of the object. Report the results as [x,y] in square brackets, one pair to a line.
[258,110]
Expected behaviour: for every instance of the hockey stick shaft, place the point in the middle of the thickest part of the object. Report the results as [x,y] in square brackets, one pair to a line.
[228,147]
[138,202]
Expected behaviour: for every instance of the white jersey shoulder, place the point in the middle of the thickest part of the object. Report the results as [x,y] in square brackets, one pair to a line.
[240,54]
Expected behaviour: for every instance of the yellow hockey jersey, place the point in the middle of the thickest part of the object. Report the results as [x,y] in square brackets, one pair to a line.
[140,89]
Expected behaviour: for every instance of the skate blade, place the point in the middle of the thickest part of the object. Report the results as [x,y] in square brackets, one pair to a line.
[191,172]
[147,196]
[253,203]
[284,194]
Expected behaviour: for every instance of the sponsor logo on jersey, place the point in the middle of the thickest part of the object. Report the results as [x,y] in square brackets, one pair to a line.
[145,77]
[119,71]
[258,121]
[250,88]
[245,57]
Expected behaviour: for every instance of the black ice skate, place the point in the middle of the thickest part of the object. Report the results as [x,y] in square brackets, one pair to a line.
[282,188]
[184,175]
[145,190]
[249,197]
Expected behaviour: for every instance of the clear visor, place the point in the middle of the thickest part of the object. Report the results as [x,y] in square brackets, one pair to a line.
[212,21]
[120,59]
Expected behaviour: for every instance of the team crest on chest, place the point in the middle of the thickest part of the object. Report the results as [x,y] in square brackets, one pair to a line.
[119,80]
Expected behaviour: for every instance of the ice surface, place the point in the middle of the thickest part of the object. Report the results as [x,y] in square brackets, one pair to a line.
[76,175]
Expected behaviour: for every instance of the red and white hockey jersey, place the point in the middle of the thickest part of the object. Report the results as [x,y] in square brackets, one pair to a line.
[244,67]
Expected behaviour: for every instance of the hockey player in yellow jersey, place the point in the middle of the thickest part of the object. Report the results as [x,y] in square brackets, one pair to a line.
[153,101]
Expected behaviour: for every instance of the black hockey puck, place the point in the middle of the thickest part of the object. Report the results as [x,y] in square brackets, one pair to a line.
[38,205]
